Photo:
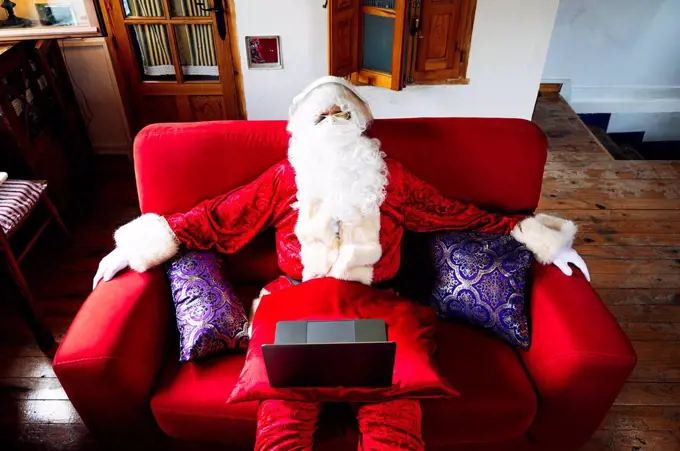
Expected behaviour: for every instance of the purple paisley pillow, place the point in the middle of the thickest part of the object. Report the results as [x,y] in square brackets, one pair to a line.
[210,318]
[481,279]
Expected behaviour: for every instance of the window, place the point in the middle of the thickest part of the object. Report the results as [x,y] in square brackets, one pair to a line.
[392,43]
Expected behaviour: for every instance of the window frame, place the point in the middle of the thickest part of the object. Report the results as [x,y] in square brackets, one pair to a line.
[370,77]
[408,27]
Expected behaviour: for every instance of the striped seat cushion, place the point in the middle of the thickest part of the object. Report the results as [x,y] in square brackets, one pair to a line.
[17,199]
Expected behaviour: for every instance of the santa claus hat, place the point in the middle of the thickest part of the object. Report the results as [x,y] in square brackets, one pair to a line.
[329,79]
[322,81]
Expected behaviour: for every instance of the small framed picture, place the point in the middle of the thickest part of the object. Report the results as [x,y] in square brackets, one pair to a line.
[56,14]
[264,52]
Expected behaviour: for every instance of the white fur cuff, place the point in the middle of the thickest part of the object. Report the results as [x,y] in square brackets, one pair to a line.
[147,241]
[545,236]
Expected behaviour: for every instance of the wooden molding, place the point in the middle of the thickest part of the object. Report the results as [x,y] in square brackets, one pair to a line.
[367,77]
[236,59]
[550,89]
[382,12]
[450,81]
[467,40]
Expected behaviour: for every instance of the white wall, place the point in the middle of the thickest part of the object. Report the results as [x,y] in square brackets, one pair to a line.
[657,126]
[302,25]
[616,43]
[620,57]
[509,45]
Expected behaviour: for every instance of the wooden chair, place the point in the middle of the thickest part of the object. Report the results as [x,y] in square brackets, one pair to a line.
[18,200]
[40,141]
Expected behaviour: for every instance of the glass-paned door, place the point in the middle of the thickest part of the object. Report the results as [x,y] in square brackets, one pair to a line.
[177,57]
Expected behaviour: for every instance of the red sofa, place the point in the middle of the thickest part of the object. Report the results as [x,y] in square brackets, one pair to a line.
[118,361]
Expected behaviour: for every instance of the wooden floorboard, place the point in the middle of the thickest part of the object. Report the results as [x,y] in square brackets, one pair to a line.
[39,411]
[614,252]
[643,331]
[28,367]
[629,218]
[25,387]
[641,418]
[634,440]
[650,394]
[658,361]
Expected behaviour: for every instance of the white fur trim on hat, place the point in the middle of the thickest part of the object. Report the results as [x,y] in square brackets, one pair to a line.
[545,236]
[147,241]
[322,81]
[329,80]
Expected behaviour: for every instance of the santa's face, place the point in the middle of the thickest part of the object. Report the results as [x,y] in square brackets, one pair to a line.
[334,162]
[329,102]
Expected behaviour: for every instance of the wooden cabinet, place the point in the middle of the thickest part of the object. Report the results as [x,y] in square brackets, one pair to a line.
[42,134]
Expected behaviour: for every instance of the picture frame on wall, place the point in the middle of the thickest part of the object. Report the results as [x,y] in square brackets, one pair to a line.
[56,14]
[264,52]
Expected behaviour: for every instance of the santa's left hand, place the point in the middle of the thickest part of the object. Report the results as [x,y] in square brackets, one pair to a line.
[550,239]
[568,255]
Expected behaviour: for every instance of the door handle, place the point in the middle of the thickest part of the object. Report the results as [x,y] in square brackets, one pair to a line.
[219,17]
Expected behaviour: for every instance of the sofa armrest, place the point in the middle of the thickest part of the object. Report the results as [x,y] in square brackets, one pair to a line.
[113,351]
[579,358]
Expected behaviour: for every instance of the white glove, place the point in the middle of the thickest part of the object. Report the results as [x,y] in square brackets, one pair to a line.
[569,255]
[110,265]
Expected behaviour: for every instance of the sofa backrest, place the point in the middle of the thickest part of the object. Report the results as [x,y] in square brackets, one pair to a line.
[495,163]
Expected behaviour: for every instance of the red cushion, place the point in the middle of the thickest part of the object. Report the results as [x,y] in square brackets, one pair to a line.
[410,325]
[497,401]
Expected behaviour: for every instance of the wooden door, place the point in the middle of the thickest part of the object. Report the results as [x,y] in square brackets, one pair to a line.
[174,60]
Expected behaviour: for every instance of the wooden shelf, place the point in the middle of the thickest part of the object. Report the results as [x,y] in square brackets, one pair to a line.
[47,133]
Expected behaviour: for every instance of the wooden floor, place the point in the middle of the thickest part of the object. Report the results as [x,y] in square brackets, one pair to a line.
[629,213]
[35,413]
[629,218]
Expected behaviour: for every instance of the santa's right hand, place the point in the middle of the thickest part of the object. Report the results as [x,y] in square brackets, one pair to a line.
[110,265]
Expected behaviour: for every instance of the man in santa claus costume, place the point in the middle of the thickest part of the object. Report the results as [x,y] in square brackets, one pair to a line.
[339,208]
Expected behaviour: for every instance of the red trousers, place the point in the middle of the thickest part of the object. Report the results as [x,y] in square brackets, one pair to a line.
[290,425]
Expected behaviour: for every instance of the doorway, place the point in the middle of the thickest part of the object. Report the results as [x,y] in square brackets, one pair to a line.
[175,61]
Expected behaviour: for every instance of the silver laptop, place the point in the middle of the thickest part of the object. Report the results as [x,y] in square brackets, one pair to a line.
[348,353]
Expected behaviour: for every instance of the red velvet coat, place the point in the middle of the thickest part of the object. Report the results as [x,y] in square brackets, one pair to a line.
[228,222]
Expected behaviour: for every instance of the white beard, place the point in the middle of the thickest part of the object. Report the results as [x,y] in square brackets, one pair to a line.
[338,167]
[341,177]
